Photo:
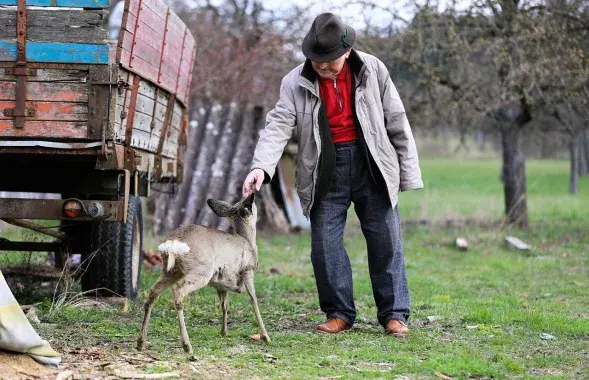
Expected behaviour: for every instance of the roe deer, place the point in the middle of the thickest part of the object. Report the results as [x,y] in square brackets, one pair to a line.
[196,256]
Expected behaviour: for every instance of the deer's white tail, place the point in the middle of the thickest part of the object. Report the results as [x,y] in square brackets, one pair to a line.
[171,248]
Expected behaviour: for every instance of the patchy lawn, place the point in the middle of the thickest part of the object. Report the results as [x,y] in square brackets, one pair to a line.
[489,312]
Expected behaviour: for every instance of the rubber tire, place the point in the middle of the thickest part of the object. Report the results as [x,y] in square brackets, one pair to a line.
[110,271]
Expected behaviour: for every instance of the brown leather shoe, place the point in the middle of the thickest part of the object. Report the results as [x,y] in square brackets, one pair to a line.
[397,329]
[333,326]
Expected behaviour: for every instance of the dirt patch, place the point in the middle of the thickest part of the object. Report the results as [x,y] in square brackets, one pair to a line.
[101,363]
[21,366]
[98,363]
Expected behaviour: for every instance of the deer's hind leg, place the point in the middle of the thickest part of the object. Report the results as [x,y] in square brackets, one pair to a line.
[223,297]
[179,291]
[163,283]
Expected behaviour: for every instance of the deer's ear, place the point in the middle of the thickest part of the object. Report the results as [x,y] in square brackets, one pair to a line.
[220,208]
[247,203]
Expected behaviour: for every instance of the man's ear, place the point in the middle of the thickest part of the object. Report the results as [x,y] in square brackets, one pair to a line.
[220,208]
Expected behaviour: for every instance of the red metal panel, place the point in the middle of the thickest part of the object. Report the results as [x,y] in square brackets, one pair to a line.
[57,111]
[155,44]
[46,129]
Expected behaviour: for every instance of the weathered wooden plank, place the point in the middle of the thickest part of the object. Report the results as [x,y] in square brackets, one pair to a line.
[58,111]
[140,66]
[186,67]
[62,3]
[143,140]
[146,105]
[45,129]
[57,52]
[146,52]
[67,25]
[151,35]
[132,6]
[142,121]
[156,7]
[176,25]
[47,91]
[51,75]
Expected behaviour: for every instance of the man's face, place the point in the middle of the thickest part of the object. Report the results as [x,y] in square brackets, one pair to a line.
[330,69]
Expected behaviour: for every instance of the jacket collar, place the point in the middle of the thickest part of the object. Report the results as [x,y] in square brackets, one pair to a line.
[308,77]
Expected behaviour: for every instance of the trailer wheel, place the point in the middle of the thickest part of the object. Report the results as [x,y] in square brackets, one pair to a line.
[113,261]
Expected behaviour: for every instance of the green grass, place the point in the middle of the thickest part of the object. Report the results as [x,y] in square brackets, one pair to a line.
[491,304]
[471,188]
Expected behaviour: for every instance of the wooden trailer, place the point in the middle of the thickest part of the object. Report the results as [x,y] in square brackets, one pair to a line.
[93,120]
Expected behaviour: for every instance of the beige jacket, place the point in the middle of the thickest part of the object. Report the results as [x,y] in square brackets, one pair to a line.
[379,111]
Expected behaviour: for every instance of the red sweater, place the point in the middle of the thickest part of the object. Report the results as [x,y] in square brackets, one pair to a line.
[341,120]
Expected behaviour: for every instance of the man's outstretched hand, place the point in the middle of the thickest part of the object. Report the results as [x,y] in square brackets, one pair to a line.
[254,180]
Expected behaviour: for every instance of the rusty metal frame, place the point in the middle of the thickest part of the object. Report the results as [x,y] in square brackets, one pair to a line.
[6,245]
[101,82]
[132,105]
[159,71]
[180,65]
[153,114]
[37,227]
[164,135]
[20,71]
[131,57]
[182,141]
[51,209]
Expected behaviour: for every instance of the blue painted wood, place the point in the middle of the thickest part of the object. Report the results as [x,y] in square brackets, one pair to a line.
[7,51]
[57,52]
[62,3]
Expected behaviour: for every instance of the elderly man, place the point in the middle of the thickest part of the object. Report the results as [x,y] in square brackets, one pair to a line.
[354,145]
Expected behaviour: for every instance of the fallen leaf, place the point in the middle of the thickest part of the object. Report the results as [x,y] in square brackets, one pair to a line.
[64,375]
[384,364]
[547,336]
[256,337]
[269,357]
[472,327]
[441,376]
[161,375]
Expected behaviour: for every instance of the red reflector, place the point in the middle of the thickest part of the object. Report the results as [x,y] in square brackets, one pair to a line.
[73,209]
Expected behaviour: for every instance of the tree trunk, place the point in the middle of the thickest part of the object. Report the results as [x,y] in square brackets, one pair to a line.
[161,199]
[514,176]
[584,153]
[217,188]
[196,134]
[241,162]
[271,215]
[574,150]
[201,175]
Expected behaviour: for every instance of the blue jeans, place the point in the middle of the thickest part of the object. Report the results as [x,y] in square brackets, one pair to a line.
[381,226]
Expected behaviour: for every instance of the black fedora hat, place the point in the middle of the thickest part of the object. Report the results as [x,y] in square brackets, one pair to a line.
[328,39]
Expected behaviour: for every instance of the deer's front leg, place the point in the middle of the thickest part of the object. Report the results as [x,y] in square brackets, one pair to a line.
[251,290]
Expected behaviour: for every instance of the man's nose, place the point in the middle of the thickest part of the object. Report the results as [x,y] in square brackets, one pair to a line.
[324,65]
